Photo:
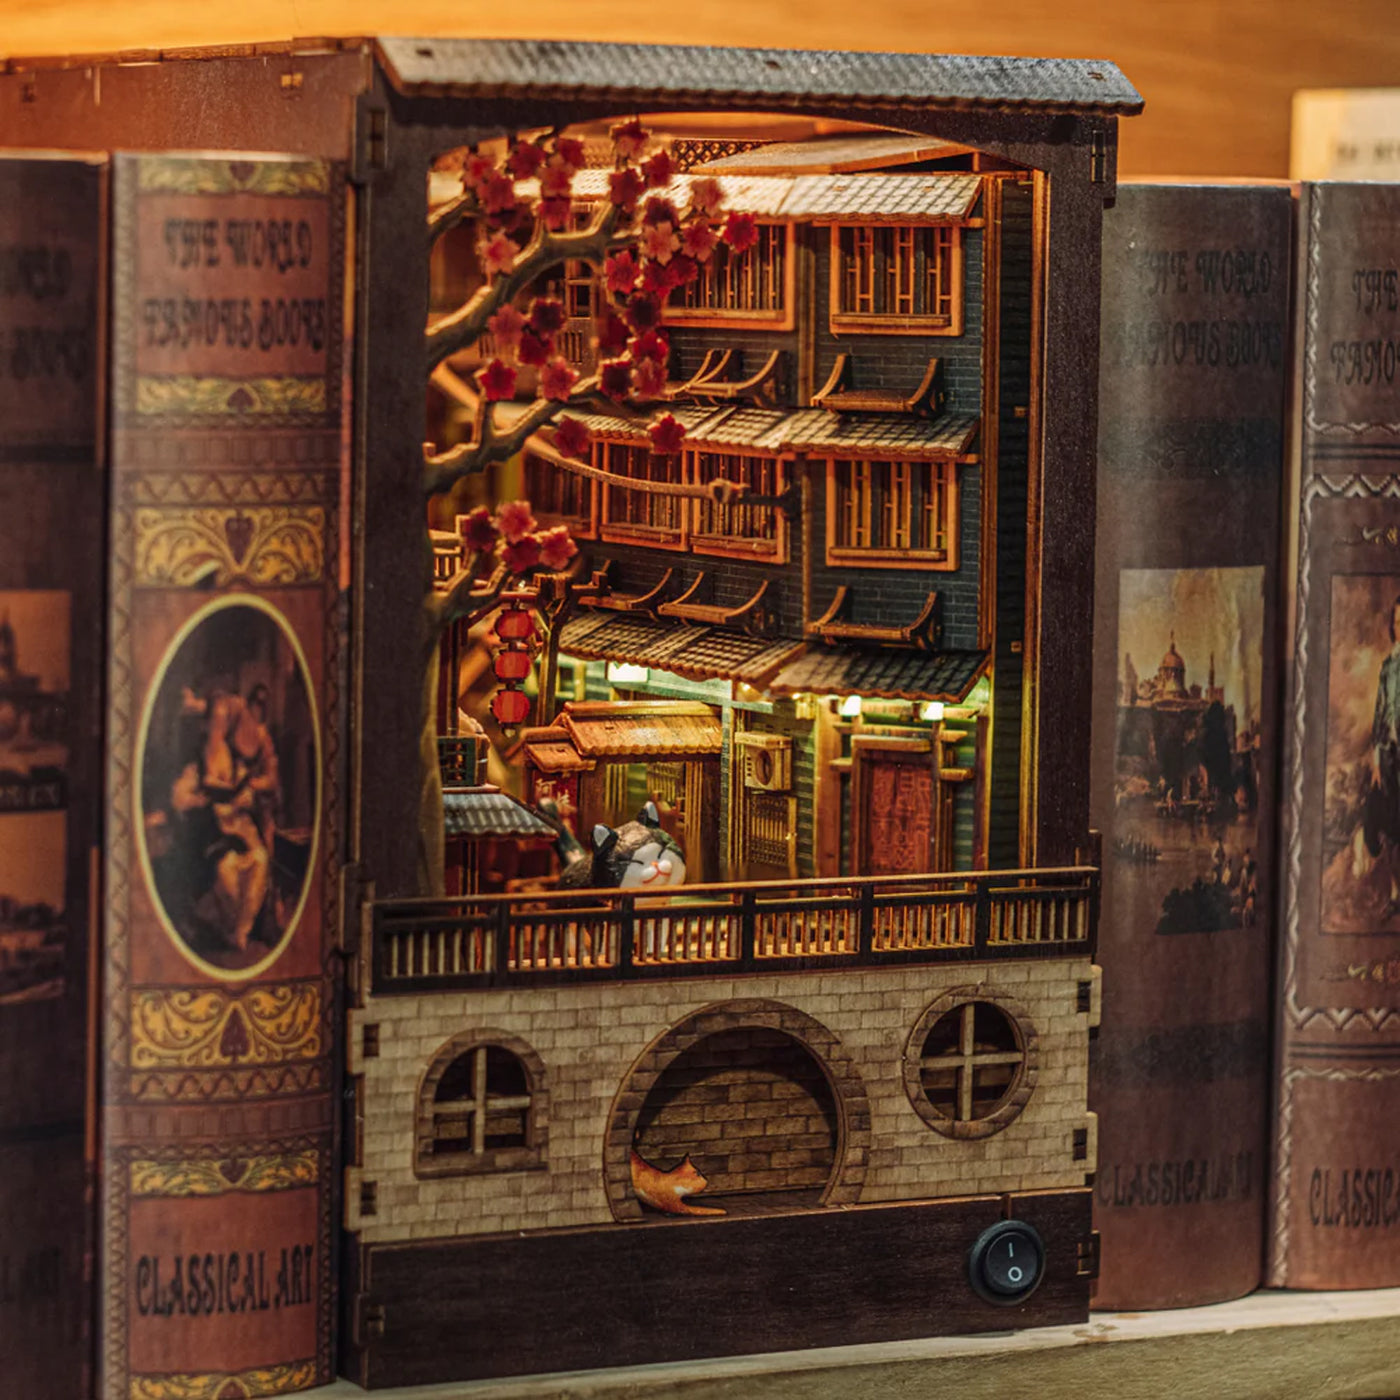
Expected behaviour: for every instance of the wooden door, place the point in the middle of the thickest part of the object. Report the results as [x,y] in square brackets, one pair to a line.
[894,807]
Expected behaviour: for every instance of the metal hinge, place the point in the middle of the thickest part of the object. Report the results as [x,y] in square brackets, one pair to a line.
[1098,158]
[371,142]
[1087,1264]
[369,1319]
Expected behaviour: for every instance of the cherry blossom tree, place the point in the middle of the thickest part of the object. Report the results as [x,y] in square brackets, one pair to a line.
[642,247]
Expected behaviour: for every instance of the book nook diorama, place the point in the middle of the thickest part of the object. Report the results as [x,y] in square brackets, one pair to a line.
[779,430]
[718,894]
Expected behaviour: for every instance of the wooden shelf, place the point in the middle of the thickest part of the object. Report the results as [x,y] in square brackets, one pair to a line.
[1306,1346]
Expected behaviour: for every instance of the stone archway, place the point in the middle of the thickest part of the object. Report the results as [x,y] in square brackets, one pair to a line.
[769,1044]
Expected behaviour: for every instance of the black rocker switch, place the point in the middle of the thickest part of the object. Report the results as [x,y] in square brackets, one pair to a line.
[1007,1262]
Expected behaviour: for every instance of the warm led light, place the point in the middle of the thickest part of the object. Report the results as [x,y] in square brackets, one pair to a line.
[622,673]
[850,706]
[933,711]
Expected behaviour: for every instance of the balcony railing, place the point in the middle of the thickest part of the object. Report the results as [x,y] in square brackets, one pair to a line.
[526,940]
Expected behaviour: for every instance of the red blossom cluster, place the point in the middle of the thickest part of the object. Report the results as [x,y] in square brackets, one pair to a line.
[515,534]
[666,248]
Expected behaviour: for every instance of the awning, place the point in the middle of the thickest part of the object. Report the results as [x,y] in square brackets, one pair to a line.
[487,811]
[700,652]
[884,672]
[556,755]
[592,730]
[817,432]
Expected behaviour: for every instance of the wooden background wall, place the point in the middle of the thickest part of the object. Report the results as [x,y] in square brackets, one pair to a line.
[1218,75]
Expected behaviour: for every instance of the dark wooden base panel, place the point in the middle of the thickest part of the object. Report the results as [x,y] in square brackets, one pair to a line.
[627,1295]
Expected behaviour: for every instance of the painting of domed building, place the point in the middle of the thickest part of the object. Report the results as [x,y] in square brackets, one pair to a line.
[34,683]
[1187,753]
[34,687]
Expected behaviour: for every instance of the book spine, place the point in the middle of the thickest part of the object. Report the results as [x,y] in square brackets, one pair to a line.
[52,519]
[1336,1162]
[1191,441]
[224,825]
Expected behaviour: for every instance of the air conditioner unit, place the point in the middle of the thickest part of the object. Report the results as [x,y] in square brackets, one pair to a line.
[767,760]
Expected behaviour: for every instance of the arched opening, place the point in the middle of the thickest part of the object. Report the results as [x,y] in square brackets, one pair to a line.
[754,1111]
[765,1101]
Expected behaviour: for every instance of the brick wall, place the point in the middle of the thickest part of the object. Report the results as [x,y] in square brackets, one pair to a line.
[750,1107]
[595,1041]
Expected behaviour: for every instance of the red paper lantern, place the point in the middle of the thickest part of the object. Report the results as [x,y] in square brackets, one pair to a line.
[512,665]
[515,625]
[511,707]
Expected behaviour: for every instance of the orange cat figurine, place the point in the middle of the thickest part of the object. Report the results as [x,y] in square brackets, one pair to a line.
[667,1191]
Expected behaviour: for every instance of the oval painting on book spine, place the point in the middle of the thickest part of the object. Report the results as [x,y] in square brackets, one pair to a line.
[229,796]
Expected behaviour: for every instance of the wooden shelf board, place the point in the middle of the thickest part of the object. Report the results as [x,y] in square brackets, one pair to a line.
[1306,1346]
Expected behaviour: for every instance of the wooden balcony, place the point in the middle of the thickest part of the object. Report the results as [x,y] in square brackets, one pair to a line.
[423,945]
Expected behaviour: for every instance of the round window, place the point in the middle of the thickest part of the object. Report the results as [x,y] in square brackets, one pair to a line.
[969,1065]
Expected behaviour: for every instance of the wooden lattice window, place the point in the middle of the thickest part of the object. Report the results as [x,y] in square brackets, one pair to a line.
[647,516]
[887,278]
[738,528]
[481,1108]
[768,829]
[748,286]
[893,513]
[970,1063]
[559,496]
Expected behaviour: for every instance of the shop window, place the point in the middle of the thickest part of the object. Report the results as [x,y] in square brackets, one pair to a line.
[740,287]
[737,528]
[644,516]
[892,278]
[893,514]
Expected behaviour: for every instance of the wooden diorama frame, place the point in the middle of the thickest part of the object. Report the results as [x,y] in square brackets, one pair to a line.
[433,1299]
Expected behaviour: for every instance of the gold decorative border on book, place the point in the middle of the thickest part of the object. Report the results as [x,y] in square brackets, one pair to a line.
[188,1028]
[180,489]
[264,547]
[201,175]
[183,395]
[183,1086]
[289,1171]
[225,1385]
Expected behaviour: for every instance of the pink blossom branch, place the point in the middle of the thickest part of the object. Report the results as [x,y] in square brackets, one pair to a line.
[443,470]
[545,250]
[463,600]
[449,215]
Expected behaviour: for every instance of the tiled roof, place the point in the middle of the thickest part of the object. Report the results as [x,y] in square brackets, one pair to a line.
[701,652]
[741,427]
[649,77]
[557,756]
[490,812]
[889,672]
[899,434]
[617,427]
[815,431]
[947,197]
[669,727]
[826,154]
[882,196]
